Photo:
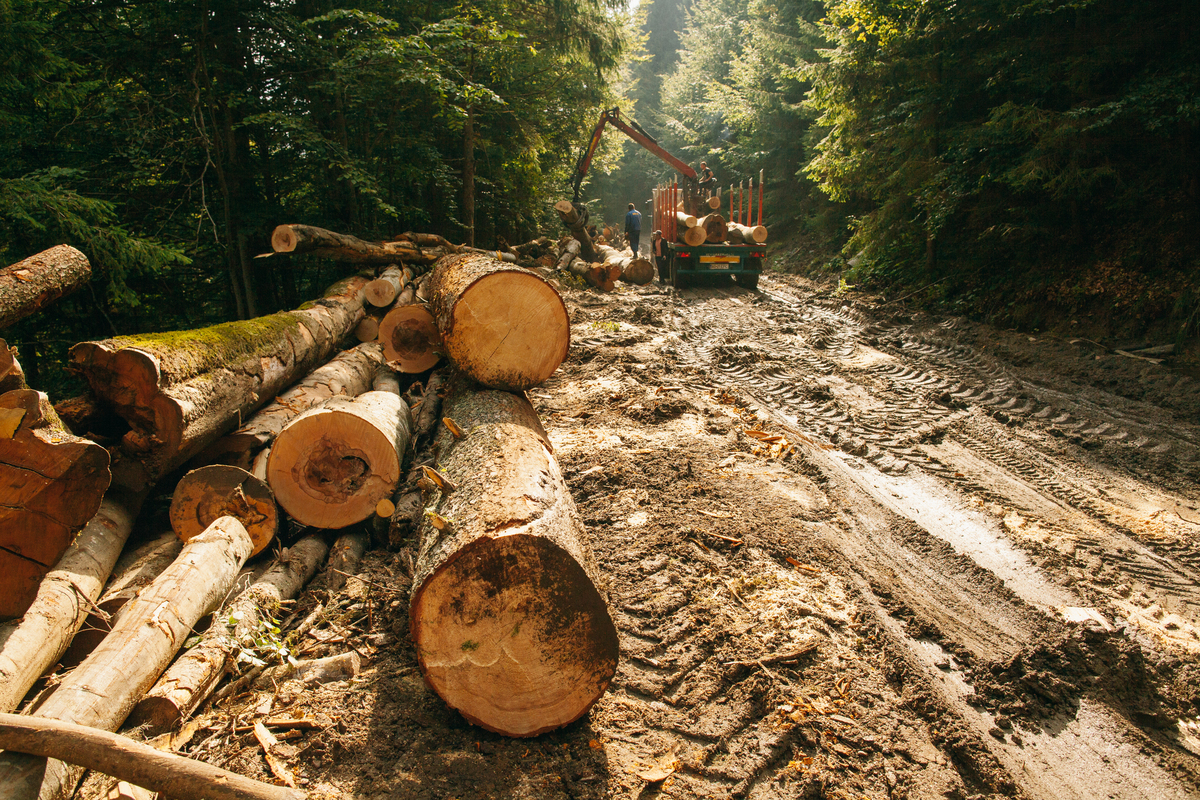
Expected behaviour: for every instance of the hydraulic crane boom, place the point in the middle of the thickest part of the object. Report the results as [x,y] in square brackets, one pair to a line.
[633,131]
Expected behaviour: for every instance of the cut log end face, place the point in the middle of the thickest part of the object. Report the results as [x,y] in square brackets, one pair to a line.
[332,469]
[510,330]
[206,494]
[410,339]
[513,635]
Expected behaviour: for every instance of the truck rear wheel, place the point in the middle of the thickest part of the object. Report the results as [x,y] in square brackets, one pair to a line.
[747,280]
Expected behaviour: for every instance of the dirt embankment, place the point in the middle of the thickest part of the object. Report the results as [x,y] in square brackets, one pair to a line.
[850,553]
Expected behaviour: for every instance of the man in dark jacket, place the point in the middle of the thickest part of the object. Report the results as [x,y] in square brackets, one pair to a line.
[633,228]
[658,246]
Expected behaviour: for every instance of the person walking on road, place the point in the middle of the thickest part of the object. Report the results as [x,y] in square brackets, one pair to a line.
[633,227]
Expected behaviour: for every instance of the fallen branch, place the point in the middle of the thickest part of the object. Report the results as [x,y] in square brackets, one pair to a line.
[174,776]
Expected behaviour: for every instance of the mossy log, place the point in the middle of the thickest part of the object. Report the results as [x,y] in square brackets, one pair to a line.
[51,484]
[348,374]
[410,339]
[65,597]
[30,285]
[101,691]
[193,676]
[181,391]
[330,466]
[508,624]
[577,224]
[221,490]
[504,326]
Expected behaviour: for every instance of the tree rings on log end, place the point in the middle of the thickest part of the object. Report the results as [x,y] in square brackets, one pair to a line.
[331,466]
[410,339]
[205,495]
[508,330]
[513,635]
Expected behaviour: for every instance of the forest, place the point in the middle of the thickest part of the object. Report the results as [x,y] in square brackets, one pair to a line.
[1024,163]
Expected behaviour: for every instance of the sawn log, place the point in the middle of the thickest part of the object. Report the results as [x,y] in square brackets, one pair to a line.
[502,325]
[30,285]
[509,626]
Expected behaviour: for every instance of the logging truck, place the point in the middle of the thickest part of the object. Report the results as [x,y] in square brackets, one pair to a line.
[700,241]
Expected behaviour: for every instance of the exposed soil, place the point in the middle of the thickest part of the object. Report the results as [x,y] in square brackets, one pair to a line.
[851,552]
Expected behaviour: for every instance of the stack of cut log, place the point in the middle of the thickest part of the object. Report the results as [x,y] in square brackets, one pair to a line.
[599,265]
[280,418]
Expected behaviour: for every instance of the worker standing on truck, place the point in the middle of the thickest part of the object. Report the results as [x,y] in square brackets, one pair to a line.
[633,227]
[658,245]
[707,179]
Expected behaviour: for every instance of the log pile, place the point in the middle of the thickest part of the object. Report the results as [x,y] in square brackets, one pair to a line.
[283,418]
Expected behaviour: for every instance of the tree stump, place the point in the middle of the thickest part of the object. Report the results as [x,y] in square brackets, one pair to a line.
[509,626]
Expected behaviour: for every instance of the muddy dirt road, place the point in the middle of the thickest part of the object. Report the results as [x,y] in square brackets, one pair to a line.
[851,553]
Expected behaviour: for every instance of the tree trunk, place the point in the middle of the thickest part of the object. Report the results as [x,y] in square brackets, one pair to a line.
[344,558]
[410,339]
[181,391]
[595,274]
[218,490]
[305,239]
[51,484]
[504,326]
[191,679]
[751,234]
[30,645]
[30,285]
[509,627]
[331,465]
[102,690]
[577,224]
[348,374]
[714,228]
[626,267]
[469,175]
[570,250]
[170,775]
[132,572]
[382,291]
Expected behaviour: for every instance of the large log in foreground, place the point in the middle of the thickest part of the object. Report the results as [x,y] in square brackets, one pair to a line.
[31,285]
[509,627]
[128,760]
[51,484]
[504,326]
[181,391]
[102,690]
[65,597]
[331,465]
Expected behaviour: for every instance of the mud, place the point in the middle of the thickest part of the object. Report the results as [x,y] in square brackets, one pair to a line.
[850,551]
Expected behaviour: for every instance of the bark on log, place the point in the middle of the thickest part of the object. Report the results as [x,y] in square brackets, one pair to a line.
[51,484]
[410,339]
[509,627]
[348,374]
[626,266]
[594,274]
[306,239]
[344,558]
[569,252]
[218,490]
[65,596]
[30,285]
[181,391]
[171,775]
[714,228]
[505,327]
[751,234]
[685,220]
[191,679]
[133,571]
[577,224]
[426,423]
[12,377]
[331,465]
[102,690]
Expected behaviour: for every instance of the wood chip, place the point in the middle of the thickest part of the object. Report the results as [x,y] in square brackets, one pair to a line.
[452,426]
[843,720]
[439,480]
[268,742]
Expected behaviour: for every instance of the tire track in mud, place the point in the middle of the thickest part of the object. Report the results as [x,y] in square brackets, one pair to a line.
[923,393]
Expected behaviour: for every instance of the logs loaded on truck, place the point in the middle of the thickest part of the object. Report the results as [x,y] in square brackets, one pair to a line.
[349,430]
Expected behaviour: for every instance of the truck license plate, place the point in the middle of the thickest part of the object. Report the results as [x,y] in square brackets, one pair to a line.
[719,262]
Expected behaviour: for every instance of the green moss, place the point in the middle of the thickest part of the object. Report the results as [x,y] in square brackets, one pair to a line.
[469,645]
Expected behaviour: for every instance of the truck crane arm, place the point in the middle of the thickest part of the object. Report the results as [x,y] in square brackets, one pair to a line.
[633,131]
